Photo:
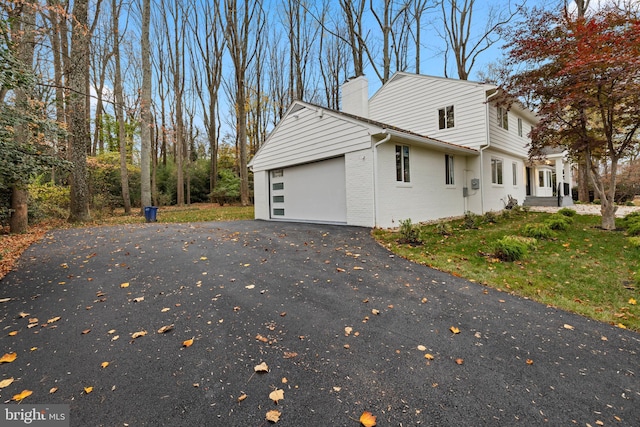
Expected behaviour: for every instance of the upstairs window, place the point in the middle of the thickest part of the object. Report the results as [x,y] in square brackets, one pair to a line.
[402,163]
[503,118]
[449,171]
[519,126]
[445,117]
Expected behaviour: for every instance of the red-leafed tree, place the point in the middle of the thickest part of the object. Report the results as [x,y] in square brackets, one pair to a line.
[583,77]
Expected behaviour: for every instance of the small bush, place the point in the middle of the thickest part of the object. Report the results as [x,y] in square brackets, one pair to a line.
[47,200]
[443,228]
[633,229]
[538,231]
[490,217]
[559,222]
[513,248]
[567,212]
[470,220]
[409,232]
[227,188]
[634,241]
[629,219]
[597,201]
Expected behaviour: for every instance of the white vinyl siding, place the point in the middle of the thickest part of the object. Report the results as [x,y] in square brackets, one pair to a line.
[412,102]
[506,140]
[305,136]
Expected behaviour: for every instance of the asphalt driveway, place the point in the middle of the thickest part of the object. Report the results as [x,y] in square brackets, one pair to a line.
[343,326]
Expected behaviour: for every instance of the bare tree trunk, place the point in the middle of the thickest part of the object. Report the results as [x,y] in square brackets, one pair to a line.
[119,109]
[583,168]
[24,38]
[79,138]
[145,104]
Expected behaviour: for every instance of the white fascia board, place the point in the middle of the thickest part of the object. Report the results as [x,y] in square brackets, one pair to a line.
[430,143]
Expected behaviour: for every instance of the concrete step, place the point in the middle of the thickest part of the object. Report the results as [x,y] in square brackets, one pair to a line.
[540,201]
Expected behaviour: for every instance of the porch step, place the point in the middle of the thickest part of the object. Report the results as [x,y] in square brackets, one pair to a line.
[540,201]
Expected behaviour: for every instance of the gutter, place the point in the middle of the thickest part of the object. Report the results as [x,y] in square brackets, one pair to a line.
[484,147]
[375,174]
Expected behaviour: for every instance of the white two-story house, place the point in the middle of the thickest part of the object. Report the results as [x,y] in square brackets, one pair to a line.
[422,148]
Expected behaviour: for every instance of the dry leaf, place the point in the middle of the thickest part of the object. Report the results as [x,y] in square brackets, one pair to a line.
[165,329]
[187,343]
[261,338]
[340,270]
[139,299]
[53,390]
[138,334]
[459,361]
[375,312]
[273,415]
[203,258]
[53,319]
[115,337]
[22,314]
[33,348]
[632,301]
[8,357]
[6,382]
[111,331]
[250,286]
[276,395]
[566,326]
[429,356]
[5,299]
[13,333]
[261,367]
[164,310]
[367,419]
[33,320]
[347,331]
[529,362]
[290,354]
[21,396]
[242,397]
[358,268]
[86,331]
[124,285]
[88,390]
[454,330]
[104,364]
[422,348]
[284,380]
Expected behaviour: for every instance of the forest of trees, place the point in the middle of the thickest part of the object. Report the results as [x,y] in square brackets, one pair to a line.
[165,101]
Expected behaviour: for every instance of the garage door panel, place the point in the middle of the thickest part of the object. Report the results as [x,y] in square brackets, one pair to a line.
[310,192]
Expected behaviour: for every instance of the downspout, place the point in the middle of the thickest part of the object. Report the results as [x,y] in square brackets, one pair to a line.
[375,175]
[488,131]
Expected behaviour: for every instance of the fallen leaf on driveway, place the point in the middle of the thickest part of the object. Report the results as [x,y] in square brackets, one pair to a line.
[261,338]
[139,299]
[367,419]
[273,415]
[459,361]
[6,383]
[422,348]
[454,330]
[124,285]
[104,364]
[22,315]
[187,343]
[261,367]
[375,312]
[347,331]
[242,397]
[53,390]
[529,362]
[8,357]
[138,334]
[86,331]
[13,333]
[165,329]
[88,390]
[250,286]
[24,394]
[276,395]
[53,319]
[567,326]
[290,354]
[429,356]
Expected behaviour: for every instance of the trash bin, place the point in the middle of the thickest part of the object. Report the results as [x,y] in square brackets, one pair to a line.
[150,213]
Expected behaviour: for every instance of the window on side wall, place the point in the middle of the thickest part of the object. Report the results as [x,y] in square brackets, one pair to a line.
[445,117]
[496,171]
[449,170]
[519,126]
[514,171]
[402,163]
[503,118]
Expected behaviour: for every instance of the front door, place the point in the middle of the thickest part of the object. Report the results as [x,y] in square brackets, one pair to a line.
[544,183]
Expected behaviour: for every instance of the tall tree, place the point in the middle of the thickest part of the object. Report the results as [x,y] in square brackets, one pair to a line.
[463,42]
[240,17]
[145,107]
[585,76]
[119,107]
[79,137]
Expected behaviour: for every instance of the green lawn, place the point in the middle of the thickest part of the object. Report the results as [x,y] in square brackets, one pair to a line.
[583,269]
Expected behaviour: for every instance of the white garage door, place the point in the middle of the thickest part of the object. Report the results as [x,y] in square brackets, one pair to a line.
[313,192]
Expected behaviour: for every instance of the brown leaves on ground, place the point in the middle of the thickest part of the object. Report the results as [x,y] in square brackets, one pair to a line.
[273,415]
[367,419]
[21,396]
[8,357]
[187,343]
[12,245]
[276,395]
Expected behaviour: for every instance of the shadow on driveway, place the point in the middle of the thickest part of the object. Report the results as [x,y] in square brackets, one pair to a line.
[343,326]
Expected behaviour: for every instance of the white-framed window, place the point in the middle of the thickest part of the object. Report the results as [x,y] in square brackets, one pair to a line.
[445,117]
[402,163]
[519,126]
[496,171]
[449,174]
[503,118]
[277,173]
[514,171]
